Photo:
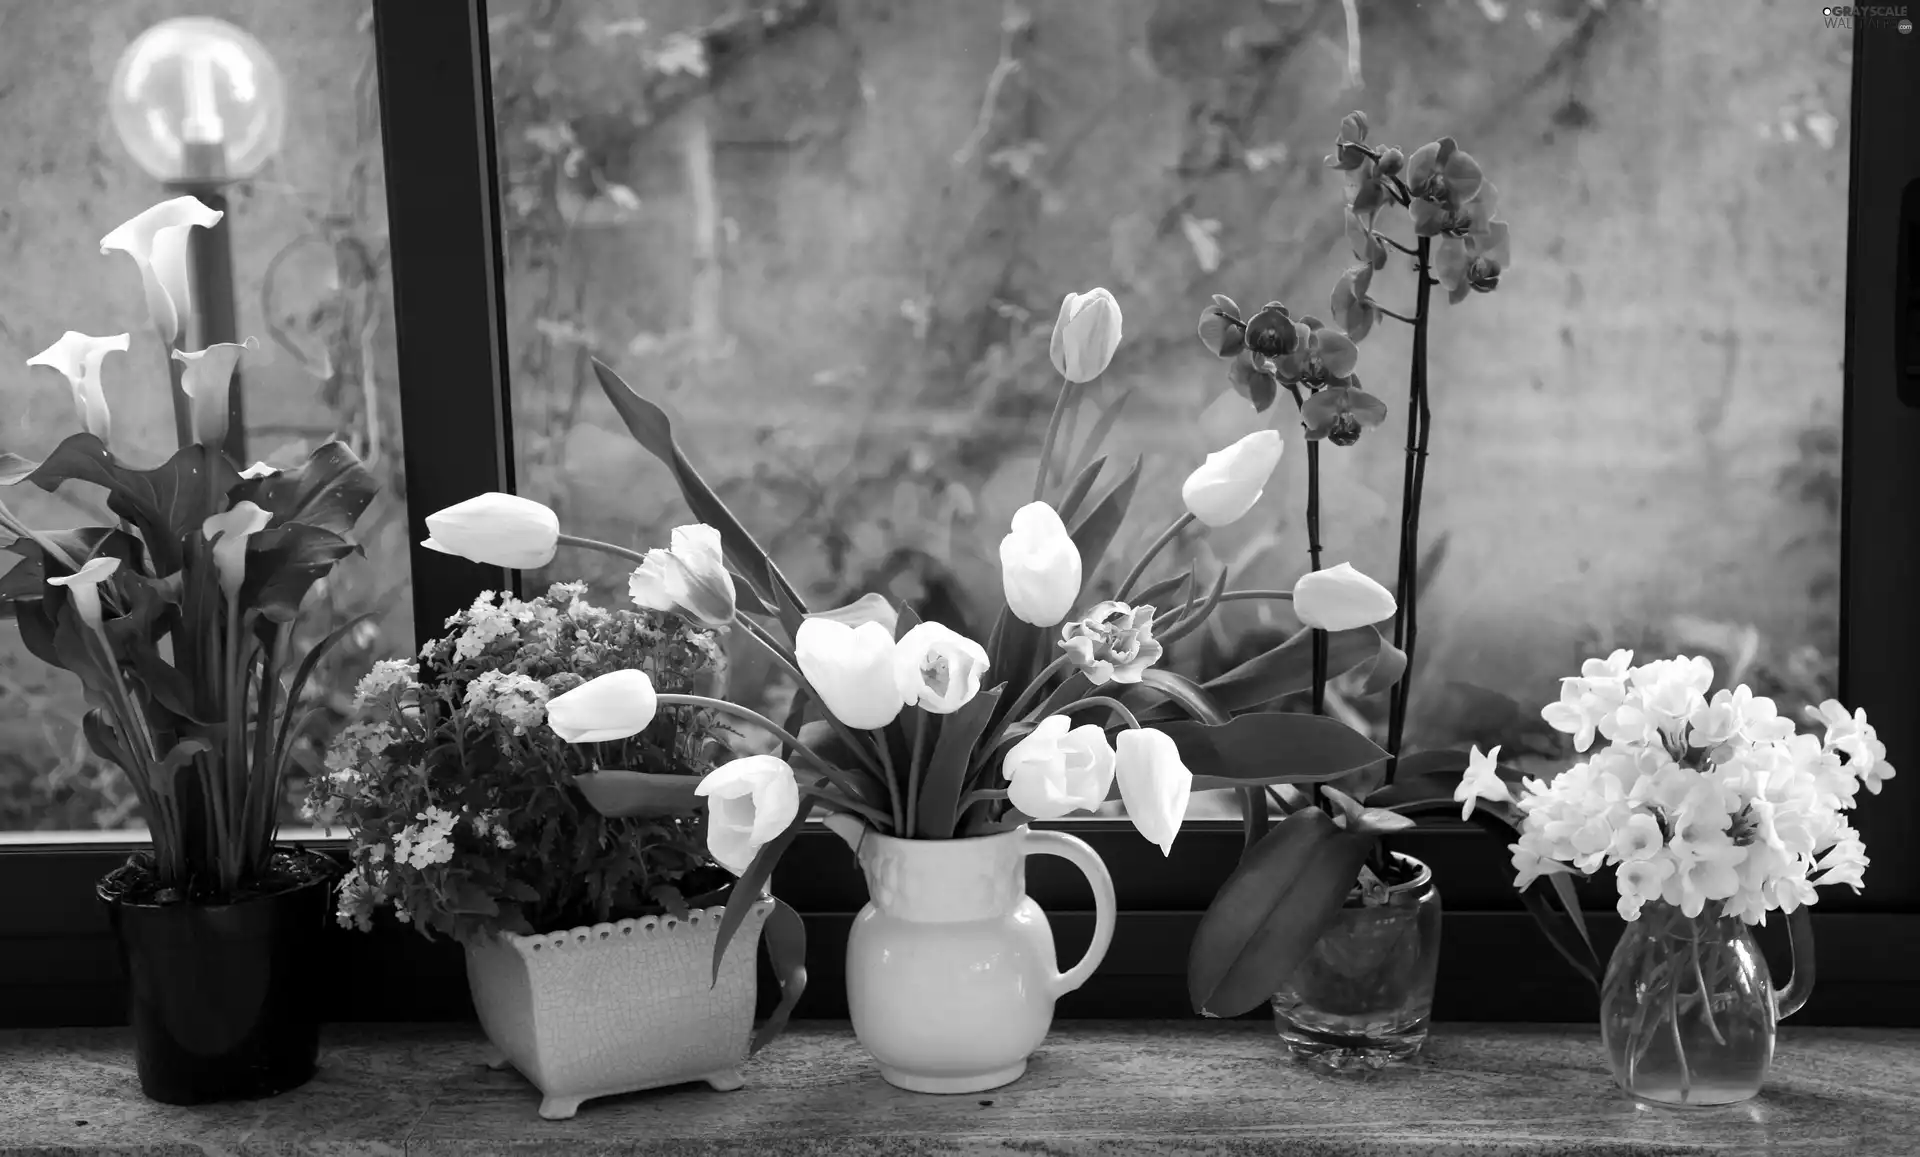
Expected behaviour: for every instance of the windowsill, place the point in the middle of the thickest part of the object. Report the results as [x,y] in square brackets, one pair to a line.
[1094,1087]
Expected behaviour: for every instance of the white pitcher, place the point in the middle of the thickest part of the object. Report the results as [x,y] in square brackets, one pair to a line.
[951,972]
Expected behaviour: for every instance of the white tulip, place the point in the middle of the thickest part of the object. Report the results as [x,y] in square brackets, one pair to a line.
[207,379]
[79,356]
[1085,335]
[157,242]
[851,670]
[1154,784]
[1054,770]
[689,579]
[1039,566]
[749,802]
[229,533]
[1340,598]
[617,705]
[937,668]
[497,529]
[1230,481]
[83,586]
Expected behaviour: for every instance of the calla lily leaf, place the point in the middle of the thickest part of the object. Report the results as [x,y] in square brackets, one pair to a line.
[330,490]
[15,469]
[618,794]
[283,565]
[165,504]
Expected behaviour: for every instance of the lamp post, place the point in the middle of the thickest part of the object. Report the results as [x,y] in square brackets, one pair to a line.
[199,104]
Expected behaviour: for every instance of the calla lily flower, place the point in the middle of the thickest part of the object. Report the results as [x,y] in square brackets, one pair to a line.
[496,529]
[1227,485]
[229,533]
[1058,768]
[689,579]
[259,470]
[83,586]
[1085,335]
[79,357]
[851,669]
[1340,598]
[1039,566]
[614,706]
[937,668]
[157,242]
[1154,784]
[207,379]
[749,802]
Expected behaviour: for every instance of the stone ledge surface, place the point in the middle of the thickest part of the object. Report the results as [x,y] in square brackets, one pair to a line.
[1094,1088]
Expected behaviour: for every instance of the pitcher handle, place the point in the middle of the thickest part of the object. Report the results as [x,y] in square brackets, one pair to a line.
[1800,984]
[1082,856]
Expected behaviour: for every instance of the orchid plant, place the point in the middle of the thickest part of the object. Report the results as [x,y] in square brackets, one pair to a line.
[181,619]
[911,730]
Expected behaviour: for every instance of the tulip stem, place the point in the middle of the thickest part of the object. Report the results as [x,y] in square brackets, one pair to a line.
[914,763]
[1159,544]
[602,547]
[1111,704]
[1053,434]
[833,774]
[1412,488]
[1012,715]
[893,786]
[1172,613]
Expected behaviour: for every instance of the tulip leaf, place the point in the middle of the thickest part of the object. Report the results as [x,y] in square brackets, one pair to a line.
[652,429]
[1191,697]
[1102,427]
[946,771]
[746,598]
[752,884]
[1288,667]
[165,504]
[785,935]
[14,469]
[618,794]
[1271,747]
[330,490]
[1082,486]
[1272,910]
[1094,533]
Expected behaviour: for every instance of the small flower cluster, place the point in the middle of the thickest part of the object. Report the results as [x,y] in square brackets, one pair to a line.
[1697,800]
[458,792]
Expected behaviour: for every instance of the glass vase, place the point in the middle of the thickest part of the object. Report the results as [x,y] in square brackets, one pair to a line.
[1361,998]
[1688,1009]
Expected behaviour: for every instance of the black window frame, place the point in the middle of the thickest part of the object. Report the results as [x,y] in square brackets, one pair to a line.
[57,958]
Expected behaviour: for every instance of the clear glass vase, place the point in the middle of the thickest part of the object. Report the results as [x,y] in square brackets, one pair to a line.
[1688,1009]
[1361,998]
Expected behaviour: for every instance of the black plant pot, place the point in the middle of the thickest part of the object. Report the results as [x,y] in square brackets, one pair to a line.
[221,996]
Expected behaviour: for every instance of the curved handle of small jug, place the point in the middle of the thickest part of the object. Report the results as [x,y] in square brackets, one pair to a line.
[1082,856]
[1800,984]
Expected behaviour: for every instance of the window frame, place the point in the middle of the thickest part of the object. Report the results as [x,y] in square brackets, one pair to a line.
[57,958]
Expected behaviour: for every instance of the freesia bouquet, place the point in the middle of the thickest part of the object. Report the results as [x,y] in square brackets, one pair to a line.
[181,619]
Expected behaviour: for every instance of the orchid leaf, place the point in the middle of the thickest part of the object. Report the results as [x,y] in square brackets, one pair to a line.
[14,469]
[946,771]
[1271,747]
[617,794]
[1288,667]
[785,935]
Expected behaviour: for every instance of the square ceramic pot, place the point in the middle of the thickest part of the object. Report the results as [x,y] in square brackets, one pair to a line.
[614,1008]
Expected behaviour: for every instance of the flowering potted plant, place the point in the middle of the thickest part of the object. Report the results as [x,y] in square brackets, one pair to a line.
[181,622]
[588,936]
[929,752]
[1712,813]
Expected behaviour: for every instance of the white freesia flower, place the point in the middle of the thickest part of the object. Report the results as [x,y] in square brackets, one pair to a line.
[1039,566]
[1085,335]
[83,586]
[79,357]
[938,669]
[207,380]
[610,707]
[749,802]
[1480,781]
[1154,784]
[1058,768]
[1340,598]
[689,578]
[851,669]
[229,533]
[497,529]
[157,242]
[1225,486]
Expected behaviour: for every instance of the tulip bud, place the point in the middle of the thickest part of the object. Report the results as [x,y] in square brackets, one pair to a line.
[1230,481]
[617,705]
[496,529]
[851,670]
[1039,566]
[690,579]
[78,356]
[1340,598]
[1085,335]
[1058,768]
[229,533]
[83,586]
[937,668]
[207,380]
[1154,784]
[749,802]
[156,240]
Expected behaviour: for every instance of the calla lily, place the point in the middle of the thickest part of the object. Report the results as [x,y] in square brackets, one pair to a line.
[1039,566]
[938,668]
[1085,335]
[1058,768]
[259,470]
[207,379]
[689,579]
[1339,598]
[157,242]
[79,357]
[617,705]
[83,586]
[229,533]
[497,529]
[851,669]
[749,802]
[1230,481]
[1154,784]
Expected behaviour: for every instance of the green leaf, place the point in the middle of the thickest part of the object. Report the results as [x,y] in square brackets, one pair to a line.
[1288,667]
[330,490]
[165,504]
[1082,486]
[1271,747]
[1094,533]
[14,469]
[619,794]
[283,735]
[786,939]
[1102,426]
[26,579]
[752,884]
[1190,696]
[1266,918]
[284,563]
[652,429]
[946,772]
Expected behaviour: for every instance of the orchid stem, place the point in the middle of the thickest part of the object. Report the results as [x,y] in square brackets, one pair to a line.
[1413,484]
[1159,544]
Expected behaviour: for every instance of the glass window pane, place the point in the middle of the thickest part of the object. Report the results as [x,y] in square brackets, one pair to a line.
[309,286]
[837,261]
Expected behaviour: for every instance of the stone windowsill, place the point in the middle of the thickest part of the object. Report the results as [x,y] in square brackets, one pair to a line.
[1094,1087]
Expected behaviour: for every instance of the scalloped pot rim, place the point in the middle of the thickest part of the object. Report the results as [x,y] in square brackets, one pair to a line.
[700,921]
